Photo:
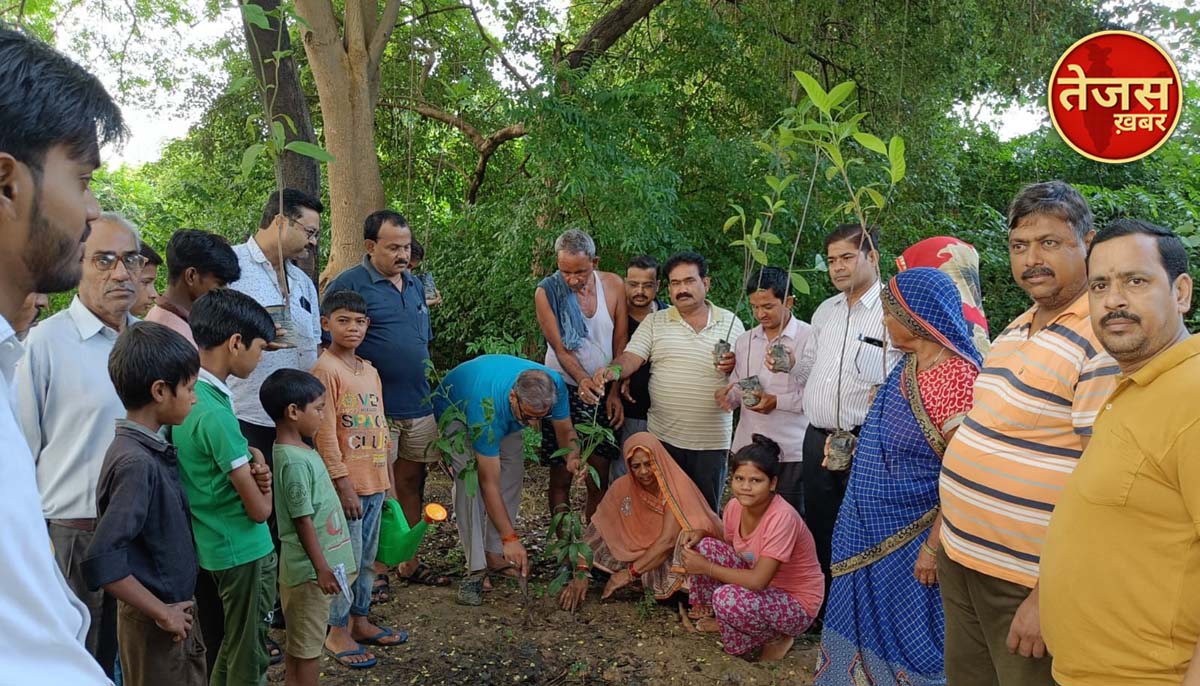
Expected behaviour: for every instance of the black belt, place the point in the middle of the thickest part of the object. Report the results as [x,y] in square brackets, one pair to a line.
[828,432]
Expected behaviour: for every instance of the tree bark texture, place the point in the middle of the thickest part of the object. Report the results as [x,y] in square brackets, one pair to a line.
[297,171]
[345,67]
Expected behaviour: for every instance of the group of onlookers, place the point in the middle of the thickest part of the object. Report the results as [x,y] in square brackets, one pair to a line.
[944,508]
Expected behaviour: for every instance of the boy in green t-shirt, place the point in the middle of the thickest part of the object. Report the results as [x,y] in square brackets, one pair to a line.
[312,528]
[228,487]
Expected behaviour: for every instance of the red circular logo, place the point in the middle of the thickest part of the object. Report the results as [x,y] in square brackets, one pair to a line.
[1115,96]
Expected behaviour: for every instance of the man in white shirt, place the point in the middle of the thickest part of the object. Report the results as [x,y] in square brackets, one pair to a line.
[845,356]
[280,239]
[67,407]
[51,127]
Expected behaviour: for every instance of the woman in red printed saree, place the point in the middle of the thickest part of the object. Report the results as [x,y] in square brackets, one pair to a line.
[634,530]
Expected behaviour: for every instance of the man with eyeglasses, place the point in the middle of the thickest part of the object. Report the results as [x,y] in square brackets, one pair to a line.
[484,404]
[281,238]
[844,357]
[67,407]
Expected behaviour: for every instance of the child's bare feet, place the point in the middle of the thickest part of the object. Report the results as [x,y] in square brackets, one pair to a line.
[776,648]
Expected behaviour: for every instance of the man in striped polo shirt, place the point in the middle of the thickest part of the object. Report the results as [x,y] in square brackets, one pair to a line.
[679,341]
[1041,386]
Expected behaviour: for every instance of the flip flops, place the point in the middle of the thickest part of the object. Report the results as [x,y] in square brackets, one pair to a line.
[384,632]
[340,658]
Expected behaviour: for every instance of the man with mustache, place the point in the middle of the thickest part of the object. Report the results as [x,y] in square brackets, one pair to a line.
[641,301]
[1041,386]
[53,118]
[397,345]
[68,408]
[680,341]
[1125,534]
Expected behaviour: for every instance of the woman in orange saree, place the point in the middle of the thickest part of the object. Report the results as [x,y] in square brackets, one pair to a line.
[634,530]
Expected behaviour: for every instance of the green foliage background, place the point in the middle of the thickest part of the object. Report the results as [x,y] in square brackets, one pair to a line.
[647,149]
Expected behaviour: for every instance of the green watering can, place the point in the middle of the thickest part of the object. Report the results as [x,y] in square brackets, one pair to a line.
[397,541]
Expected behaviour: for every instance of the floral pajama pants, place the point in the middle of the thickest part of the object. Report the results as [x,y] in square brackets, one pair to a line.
[748,619]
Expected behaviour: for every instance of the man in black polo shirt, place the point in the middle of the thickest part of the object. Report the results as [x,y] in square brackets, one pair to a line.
[397,344]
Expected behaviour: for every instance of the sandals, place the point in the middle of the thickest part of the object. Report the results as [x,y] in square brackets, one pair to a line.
[274,652]
[470,591]
[425,576]
[381,591]
[378,639]
[341,658]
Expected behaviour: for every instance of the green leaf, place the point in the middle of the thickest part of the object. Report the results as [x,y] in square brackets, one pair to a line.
[278,138]
[239,84]
[800,283]
[871,142]
[471,479]
[288,120]
[830,172]
[250,157]
[772,239]
[281,55]
[253,14]
[307,149]
[896,158]
[730,222]
[759,256]
[876,196]
[839,93]
[814,91]
[774,183]
[595,475]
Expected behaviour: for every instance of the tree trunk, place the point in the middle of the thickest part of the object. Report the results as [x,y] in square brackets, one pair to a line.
[346,70]
[355,185]
[297,171]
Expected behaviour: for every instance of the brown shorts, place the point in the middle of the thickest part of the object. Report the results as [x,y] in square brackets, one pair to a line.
[413,439]
[306,611]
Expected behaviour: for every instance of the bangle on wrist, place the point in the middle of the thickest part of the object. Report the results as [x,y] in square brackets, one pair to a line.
[633,573]
[616,371]
[929,549]
[510,538]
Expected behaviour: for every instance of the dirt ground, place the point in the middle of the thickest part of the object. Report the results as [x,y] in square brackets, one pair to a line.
[628,640]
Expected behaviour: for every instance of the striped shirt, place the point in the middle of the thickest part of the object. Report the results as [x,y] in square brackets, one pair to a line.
[683,378]
[1035,401]
[842,341]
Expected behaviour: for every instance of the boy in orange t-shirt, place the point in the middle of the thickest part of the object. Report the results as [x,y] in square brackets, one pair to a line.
[353,441]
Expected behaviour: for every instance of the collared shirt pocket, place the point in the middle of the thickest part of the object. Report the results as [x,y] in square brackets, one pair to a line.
[1106,476]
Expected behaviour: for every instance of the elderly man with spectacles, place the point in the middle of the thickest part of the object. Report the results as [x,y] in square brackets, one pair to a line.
[67,406]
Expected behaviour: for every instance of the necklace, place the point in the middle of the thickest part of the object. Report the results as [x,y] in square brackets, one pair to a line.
[935,360]
[356,367]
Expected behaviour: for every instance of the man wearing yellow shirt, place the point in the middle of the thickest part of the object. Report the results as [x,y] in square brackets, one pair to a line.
[1120,582]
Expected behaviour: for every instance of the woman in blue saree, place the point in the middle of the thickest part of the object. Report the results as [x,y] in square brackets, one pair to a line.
[884,624]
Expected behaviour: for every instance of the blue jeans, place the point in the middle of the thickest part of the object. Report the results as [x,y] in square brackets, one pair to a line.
[364,539]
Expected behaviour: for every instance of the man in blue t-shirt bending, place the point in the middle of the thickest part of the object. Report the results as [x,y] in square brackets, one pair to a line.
[483,405]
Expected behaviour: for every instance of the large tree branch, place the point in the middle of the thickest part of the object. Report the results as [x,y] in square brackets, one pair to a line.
[319,14]
[356,25]
[607,30]
[496,49]
[430,112]
[383,31]
[491,145]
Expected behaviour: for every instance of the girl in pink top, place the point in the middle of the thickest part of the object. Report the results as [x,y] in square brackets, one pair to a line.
[764,586]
